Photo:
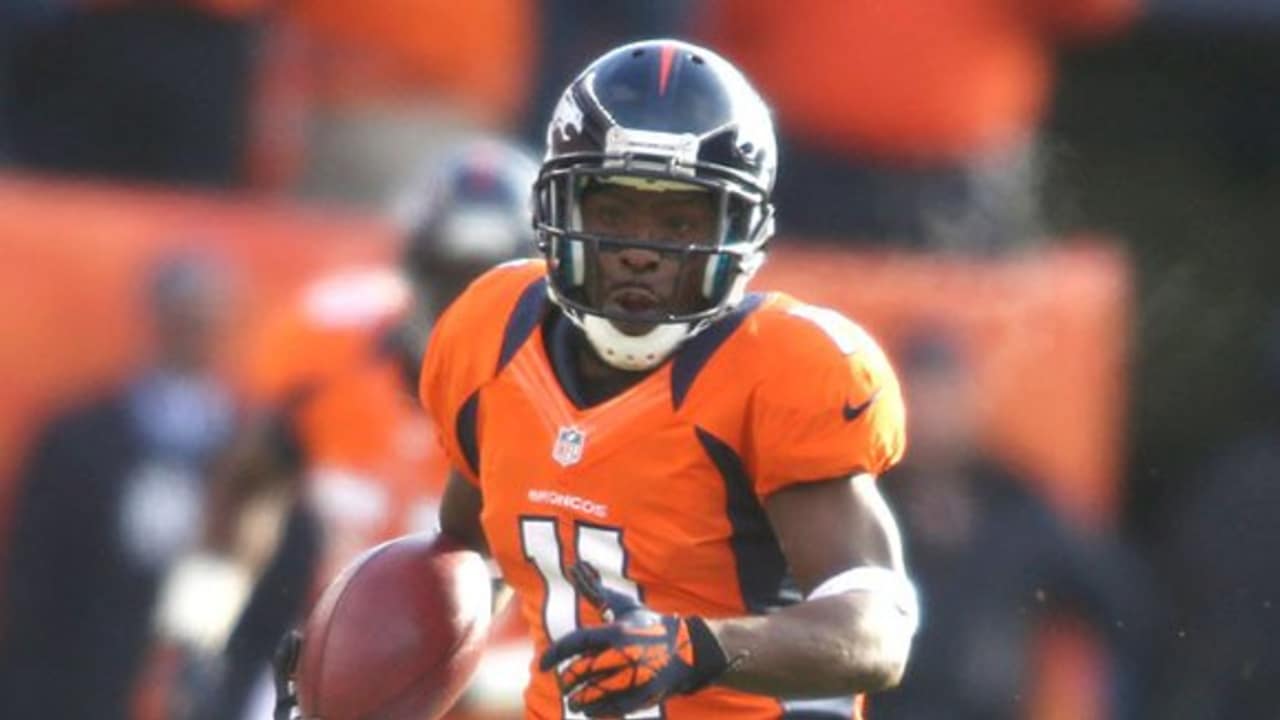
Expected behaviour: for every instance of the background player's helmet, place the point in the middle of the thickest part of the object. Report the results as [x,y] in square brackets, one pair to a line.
[467,212]
[658,115]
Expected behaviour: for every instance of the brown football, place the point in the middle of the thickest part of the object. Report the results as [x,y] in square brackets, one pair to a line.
[397,635]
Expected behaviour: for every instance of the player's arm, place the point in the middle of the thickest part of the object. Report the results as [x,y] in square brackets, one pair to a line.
[223,603]
[460,520]
[853,633]
[460,513]
[832,406]
[824,413]
[251,500]
[447,386]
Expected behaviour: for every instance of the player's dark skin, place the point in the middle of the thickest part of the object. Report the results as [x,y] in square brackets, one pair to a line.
[830,646]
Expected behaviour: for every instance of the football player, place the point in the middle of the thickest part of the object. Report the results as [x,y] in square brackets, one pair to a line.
[676,476]
[345,458]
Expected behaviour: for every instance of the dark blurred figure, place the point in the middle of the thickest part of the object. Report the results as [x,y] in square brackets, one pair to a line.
[128,89]
[1219,551]
[341,456]
[575,31]
[109,496]
[908,123]
[7,29]
[991,560]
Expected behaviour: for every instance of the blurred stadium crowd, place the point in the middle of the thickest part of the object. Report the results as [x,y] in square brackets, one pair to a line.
[226,226]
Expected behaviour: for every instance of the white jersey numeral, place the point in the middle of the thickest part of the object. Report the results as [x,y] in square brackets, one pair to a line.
[602,547]
[542,548]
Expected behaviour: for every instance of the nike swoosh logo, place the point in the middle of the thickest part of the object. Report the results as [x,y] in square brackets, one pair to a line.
[851,412]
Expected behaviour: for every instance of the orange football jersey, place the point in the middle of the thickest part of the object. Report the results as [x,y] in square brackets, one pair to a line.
[373,470]
[660,487]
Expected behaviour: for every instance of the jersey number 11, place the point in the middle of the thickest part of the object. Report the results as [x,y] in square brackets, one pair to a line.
[599,545]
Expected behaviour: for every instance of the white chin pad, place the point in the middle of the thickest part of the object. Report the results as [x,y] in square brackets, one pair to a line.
[628,352]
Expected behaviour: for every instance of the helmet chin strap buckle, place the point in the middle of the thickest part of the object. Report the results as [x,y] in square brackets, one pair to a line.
[633,353]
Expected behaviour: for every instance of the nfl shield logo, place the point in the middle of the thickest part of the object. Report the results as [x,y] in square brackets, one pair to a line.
[568,449]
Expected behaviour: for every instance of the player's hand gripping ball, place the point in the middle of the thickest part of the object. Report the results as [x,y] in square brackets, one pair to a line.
[635,661]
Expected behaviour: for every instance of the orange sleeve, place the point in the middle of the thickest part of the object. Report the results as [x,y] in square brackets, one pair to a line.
[442,390]
[462,355]
[830,405]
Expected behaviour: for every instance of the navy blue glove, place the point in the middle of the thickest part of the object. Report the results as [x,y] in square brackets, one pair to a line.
[639,659]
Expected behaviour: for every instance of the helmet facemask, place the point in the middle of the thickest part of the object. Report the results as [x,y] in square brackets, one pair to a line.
[639,295]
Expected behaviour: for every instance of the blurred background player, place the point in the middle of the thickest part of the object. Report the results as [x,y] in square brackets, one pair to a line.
[1218,549]
[345,457]
[111,495]
[993,560]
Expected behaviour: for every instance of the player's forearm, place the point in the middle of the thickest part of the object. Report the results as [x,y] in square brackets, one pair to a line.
[460,514]
[844,644]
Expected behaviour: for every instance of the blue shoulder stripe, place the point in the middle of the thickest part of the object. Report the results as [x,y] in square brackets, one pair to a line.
[464,428]
[528,312]
[693,355]
[763,579]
